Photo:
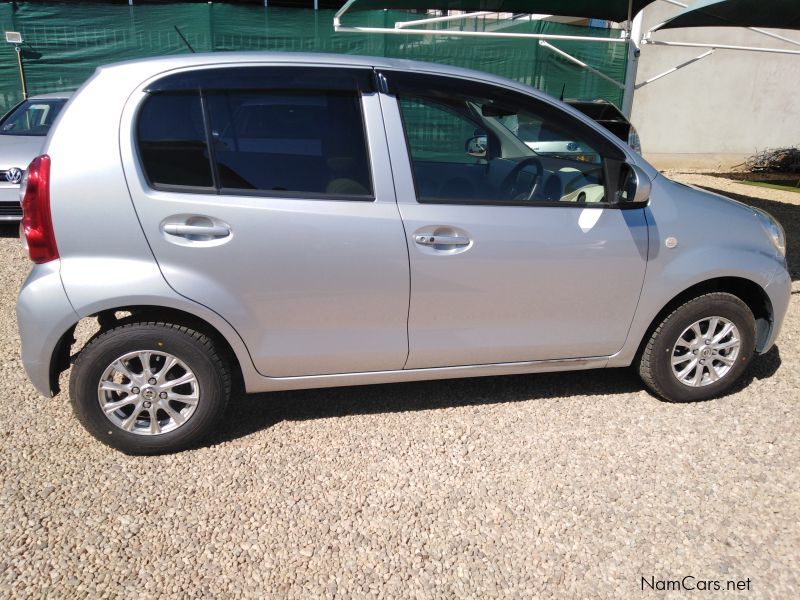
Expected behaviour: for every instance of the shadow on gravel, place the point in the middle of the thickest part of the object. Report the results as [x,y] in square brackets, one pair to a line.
[9,230]
[788,215]
[248,414]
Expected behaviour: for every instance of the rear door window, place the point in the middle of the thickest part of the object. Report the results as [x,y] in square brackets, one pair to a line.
[303,142]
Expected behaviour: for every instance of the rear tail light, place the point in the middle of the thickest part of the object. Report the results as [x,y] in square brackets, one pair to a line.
[37,223]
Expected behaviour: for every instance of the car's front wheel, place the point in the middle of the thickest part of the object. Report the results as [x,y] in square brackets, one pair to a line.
[700,349]
[149,388]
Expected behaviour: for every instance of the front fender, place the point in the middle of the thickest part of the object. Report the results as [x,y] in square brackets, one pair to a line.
[696,237]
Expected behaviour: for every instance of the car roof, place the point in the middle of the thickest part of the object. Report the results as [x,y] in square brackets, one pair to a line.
[599,110]
[51,96]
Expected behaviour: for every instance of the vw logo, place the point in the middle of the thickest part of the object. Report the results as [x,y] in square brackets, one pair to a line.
[14,175]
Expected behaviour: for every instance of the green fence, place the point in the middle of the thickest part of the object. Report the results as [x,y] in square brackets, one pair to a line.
[72,39]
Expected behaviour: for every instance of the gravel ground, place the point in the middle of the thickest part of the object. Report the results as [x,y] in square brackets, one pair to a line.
[563,485]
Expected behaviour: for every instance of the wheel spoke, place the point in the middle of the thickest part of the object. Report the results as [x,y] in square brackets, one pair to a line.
[111,386]
[170,362]
[187,377]
[113,406]
[189,399]
[726,345]
[725,359]
[696,330]
[145,358]
[688,369]
[174,414]
[712,373]
[676,360]
[154,426]
[712,327]
[698,375]
[722,334]
[123,370]
[130,422]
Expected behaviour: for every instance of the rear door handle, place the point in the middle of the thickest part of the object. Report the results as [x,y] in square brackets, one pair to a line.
[441,240]
[182,230]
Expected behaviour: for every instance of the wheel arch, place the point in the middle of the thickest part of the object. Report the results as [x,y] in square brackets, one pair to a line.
[109,318]
[746,290]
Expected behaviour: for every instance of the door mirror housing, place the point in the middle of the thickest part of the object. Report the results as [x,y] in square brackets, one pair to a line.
[476,146]
[635,187]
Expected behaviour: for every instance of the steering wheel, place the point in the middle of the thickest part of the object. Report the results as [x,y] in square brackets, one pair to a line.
[507,186]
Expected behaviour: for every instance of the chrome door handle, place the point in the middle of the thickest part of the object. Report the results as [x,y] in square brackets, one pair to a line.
[441,240]
[196,230]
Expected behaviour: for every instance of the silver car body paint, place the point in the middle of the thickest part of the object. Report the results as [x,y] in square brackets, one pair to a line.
[332,310]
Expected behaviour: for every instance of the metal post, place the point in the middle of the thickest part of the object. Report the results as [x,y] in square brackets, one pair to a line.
[634,40]
[579,62]
[18,48]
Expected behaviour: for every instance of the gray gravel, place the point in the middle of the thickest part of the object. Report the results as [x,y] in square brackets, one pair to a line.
[563,485]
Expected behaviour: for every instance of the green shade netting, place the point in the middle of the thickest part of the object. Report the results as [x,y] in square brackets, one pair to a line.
[73,39]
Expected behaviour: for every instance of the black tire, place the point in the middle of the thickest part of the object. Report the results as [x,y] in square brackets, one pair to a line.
[655,361]
[194,349]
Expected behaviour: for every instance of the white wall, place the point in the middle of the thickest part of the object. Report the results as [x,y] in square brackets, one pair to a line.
[716,112]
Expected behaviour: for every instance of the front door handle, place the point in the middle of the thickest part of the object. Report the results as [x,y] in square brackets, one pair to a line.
[183,230]
[441,240]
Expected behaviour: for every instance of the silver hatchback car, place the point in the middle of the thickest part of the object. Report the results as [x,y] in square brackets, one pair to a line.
[300,221]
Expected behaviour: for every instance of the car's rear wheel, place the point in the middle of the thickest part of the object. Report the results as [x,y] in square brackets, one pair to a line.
[150,388]
[700,349]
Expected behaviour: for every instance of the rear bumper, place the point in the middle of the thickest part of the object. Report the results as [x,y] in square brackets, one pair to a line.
[44,314]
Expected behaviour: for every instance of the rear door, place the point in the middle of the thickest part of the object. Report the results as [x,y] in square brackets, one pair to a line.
[265,194]
[516,255]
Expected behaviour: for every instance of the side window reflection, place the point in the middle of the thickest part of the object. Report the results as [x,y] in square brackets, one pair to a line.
[483,149]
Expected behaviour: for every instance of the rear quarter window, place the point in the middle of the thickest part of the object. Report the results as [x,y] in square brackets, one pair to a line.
[291,143]
[172,141]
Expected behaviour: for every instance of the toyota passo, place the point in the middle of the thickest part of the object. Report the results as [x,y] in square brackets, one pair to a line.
[298,221]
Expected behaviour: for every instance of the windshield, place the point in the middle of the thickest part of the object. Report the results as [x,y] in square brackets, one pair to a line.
[32,117]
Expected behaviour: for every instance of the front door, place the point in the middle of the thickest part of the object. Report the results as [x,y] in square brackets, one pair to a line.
[267,197]
[516,253]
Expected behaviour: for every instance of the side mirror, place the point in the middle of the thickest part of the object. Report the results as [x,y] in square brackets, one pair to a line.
[636,187]
[476,146]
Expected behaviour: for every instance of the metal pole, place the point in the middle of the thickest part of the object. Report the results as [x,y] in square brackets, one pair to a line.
[402,24]
[722,47]
[634,39]
[18,48]
[337,26]
[675,68]
[580,63]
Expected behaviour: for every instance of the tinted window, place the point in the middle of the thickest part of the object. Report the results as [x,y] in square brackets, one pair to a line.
[32,117]
[290,142]
[435,132]
[172,141]
[480,144]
